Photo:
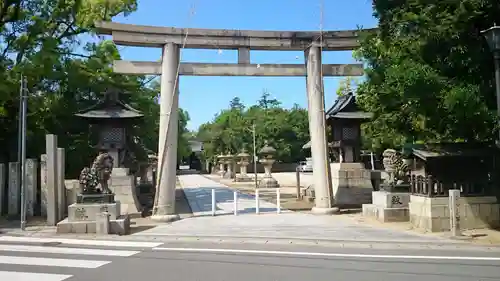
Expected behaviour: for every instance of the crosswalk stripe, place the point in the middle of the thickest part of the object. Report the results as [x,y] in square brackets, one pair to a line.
[63,250]
[28,276]
[108,243]
[51,262]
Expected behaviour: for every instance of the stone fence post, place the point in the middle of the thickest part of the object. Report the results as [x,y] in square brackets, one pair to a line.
[13,198]
[52,183]
[31,186]
[2,186]
[61,189]
[43,185]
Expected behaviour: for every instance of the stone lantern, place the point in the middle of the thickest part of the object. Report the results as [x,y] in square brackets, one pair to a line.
[112,118]
[244,160]
[220,160]
[267,159]
[345,119]
[229,161]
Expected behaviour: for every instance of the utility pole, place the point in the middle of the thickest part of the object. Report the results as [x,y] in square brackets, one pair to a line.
[23,95]
[254,156]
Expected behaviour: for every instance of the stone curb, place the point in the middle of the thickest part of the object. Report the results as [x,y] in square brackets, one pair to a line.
[364,244]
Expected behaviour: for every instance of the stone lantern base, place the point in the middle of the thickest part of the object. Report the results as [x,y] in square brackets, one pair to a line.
[268,182]
[228,174]
[243,178]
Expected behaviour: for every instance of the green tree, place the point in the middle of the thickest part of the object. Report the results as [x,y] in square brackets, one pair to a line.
[285,129]
[43,41]
[430,73]
[347,85]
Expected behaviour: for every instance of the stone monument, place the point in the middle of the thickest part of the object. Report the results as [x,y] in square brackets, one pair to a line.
[95,202]
[390,204]
[113,121]
[244,160]
[267,159]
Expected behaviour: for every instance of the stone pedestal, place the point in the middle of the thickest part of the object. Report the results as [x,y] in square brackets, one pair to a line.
[351,185]
[268,181]
[90,211]
[123,186]
[388,206]
[243,176]
[221,169]
[229,174]
[91,217]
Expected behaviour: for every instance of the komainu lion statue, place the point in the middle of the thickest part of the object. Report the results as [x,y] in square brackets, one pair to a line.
[395,166]
[95,179]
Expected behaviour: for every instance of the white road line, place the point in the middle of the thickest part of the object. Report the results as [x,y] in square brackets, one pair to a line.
[312,254]
[63,250]
[108,243]
[51,262]
[27,276]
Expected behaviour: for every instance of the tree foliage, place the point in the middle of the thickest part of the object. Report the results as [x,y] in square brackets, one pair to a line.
[43,41]
[430,72]
[286,130]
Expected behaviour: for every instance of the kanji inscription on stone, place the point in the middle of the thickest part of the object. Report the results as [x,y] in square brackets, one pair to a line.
[396,200]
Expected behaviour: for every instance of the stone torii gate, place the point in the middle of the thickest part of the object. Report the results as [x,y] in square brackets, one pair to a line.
[171,40]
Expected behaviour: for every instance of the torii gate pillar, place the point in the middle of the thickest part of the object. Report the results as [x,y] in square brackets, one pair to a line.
[164,207]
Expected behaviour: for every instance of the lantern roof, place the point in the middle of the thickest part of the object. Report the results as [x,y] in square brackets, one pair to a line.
[345,107]
[243,153]
[267,149]
[111,107]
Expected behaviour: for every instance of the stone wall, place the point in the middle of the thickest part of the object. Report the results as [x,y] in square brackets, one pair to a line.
[432,214]
[277,168]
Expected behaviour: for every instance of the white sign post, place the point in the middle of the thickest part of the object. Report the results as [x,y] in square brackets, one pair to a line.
[213,202]
[235,202]
[257,201]
[278,201]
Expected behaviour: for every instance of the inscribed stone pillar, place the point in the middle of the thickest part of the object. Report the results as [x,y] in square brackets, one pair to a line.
[61,189]
[52,197]
[31,186]
[14,197]
[164,209]
[2,186]
[317,130]
[43,185]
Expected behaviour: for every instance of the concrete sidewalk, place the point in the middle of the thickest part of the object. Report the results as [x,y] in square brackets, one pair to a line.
[287,225]
[198,192]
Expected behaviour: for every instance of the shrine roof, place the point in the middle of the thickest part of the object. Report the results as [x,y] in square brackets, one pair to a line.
[442,150]
[345,107]
[110,108]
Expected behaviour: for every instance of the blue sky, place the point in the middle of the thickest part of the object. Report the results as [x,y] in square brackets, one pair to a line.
[203,97]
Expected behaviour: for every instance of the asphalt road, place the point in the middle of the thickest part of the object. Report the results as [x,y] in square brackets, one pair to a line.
[222,261]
